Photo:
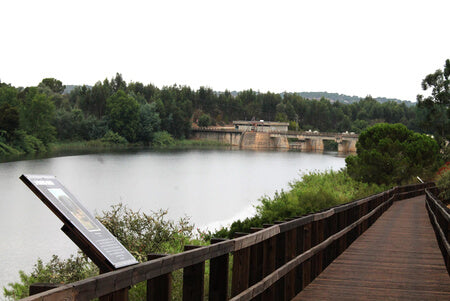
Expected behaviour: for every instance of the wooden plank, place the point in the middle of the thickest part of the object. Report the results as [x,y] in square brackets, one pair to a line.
[269,247]
[193,279]
[241,270]
[402,245]
[159,288]
[271,279]
[218,276]
[291,252]
[280,259]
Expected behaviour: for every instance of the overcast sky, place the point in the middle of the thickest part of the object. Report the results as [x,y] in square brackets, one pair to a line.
[378,48]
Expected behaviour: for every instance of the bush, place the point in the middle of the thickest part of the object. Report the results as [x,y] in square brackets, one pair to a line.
[204,120]
[28,143]
[315,192]
[392,154]
[114,138]
[443,182]
[139,232]
[142,233]
[55,271]
[163,139]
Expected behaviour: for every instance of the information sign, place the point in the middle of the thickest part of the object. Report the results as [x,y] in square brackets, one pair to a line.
[88,230]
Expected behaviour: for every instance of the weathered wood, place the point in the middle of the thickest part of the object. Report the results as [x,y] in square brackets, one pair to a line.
[256,262]
[240,272]
[269,280]
[291,252]
[218,276]
[396,259]
[280,259]
[254,238]
[269,250]
[306,246]
[37,288]
[159,288]
[193,279]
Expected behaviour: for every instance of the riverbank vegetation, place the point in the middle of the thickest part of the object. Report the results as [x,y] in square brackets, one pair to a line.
[33,118]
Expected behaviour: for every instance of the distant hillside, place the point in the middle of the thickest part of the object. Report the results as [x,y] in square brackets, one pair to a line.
[346,98]
[310,95]
[69,88]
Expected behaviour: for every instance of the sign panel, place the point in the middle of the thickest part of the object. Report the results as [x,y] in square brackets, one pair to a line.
[74,215]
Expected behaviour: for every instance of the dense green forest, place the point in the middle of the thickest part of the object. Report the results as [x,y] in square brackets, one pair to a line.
[115,111]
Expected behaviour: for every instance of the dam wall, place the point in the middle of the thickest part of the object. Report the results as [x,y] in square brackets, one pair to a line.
[304,141]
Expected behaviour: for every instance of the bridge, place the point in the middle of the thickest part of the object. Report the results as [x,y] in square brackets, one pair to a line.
[305,141]
[393,245]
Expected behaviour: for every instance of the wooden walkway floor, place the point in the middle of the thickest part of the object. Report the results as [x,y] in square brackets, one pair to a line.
[398,258]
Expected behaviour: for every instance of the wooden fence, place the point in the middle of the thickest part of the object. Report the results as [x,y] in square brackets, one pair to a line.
[272,263]
[440,219]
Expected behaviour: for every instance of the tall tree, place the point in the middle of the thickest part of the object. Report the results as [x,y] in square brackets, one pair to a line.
[123,115]
[53,84]
[391,154]
[37,112]
[439,100]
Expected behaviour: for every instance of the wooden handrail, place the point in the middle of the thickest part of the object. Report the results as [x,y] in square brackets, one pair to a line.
[269,280]
[345,219]
[440,219]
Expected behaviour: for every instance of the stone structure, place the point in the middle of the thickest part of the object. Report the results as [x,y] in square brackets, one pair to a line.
[261,126]
[305,141]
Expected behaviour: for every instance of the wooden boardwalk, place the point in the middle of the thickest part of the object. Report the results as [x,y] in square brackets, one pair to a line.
[398,258]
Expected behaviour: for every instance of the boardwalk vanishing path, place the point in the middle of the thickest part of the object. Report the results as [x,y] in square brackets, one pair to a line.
[398,258]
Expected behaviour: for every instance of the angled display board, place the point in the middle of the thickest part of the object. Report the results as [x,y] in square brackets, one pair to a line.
[80,225]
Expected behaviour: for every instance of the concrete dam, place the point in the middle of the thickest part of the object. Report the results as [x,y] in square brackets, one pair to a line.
[305,141]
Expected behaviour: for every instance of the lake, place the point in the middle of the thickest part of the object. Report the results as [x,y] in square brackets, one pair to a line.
[212,187]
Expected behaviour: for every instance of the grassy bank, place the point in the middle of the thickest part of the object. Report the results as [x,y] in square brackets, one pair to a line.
[9,153]
[315,192]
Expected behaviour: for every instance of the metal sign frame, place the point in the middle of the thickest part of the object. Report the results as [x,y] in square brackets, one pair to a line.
[79,224]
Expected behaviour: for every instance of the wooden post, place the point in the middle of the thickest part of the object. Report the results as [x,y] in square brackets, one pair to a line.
[193,279]
[159,288]
[280,259]
[218,276]
[256,263]
[269,246]
[306,246]
[314,242]
[320,237]
[241,269]
[342,223]
[299,269]
[291,250]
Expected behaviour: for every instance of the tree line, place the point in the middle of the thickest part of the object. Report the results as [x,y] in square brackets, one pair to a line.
[112,109]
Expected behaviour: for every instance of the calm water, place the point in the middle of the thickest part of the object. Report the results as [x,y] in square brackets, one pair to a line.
[212,187]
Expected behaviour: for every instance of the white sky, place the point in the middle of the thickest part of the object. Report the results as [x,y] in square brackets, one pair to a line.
[381,48]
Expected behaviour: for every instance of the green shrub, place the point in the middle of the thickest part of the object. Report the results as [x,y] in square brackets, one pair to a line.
[55,271]
[315,192]
[139,232]
[114,138]
[443,182]
[163,139]
[28,143]
[204,120]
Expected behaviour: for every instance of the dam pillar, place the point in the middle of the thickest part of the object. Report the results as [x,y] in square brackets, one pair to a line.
[347,146]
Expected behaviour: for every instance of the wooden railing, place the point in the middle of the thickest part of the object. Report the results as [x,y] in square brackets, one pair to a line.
[272,263]
[440,219]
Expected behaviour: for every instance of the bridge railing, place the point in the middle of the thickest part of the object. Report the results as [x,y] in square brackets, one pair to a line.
[440,219]
[272,263]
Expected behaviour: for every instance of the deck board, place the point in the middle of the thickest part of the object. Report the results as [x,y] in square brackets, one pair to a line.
[398,258]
